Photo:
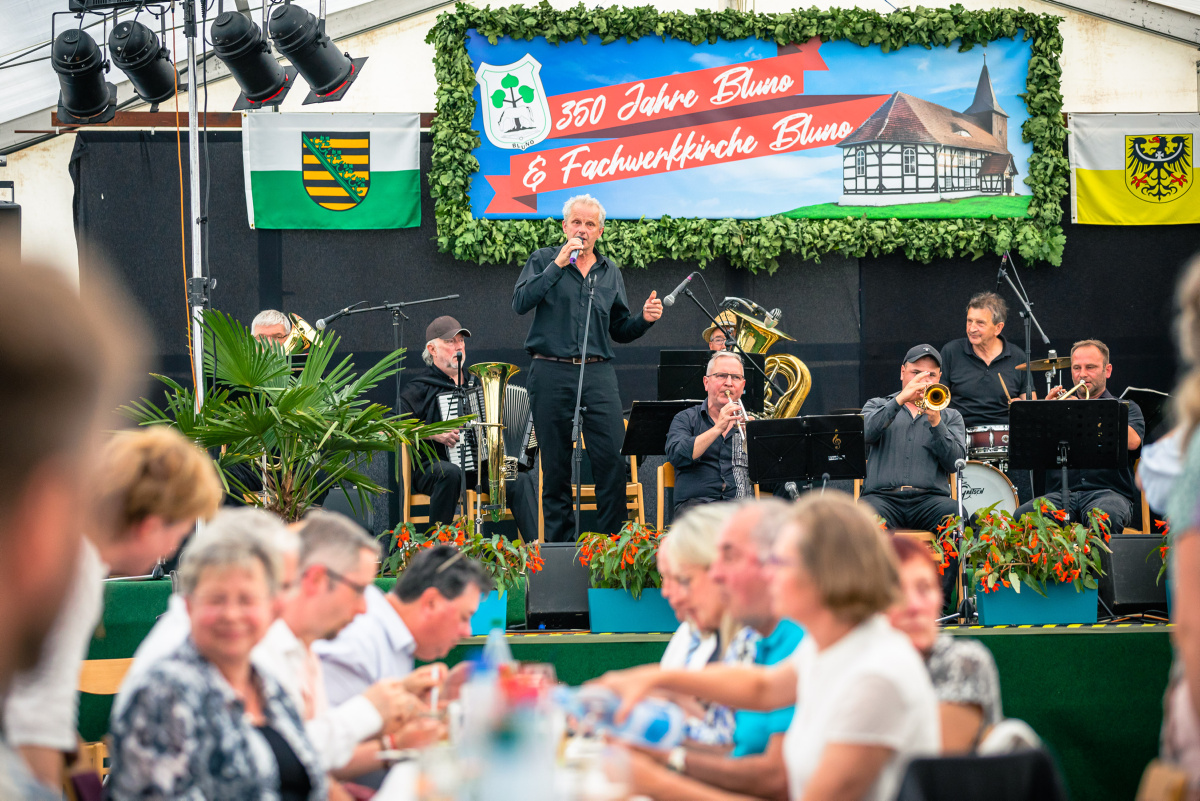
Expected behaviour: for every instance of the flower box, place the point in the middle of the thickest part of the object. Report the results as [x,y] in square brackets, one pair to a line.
[616,611]
[491,614]
[1062,604]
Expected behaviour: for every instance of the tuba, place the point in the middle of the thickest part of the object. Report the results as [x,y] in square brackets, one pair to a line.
[301,336]
[493,378]
[753,336]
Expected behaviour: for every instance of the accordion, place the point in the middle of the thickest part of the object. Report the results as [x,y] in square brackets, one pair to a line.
[519,438]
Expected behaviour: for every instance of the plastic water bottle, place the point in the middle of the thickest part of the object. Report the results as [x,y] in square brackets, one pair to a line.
[496,651]
[653,723]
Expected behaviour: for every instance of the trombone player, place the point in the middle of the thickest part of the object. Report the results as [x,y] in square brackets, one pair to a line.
[912,446]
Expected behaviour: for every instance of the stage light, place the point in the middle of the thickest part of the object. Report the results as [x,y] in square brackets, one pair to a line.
[301,37]
[136,51]
[84,96]
[240,45]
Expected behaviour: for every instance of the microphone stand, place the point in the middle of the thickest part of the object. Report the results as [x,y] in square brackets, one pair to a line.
[1029,319]
[576,420]
[966,609]
[398,317]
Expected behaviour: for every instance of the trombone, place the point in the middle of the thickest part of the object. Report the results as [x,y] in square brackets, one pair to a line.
[936,398]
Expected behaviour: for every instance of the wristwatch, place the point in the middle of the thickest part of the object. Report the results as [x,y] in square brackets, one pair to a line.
[677,759]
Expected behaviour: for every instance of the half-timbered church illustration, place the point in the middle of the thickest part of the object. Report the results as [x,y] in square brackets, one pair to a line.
[914,151]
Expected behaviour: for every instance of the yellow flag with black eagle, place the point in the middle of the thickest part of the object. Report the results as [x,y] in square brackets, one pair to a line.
[1133,169]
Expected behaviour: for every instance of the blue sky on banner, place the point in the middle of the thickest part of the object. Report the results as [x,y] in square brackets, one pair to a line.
[755,187]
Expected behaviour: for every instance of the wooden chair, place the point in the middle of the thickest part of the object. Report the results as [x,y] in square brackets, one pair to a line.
[411,498]
[1147,522]
[666,506]
[923,536]
[634,498]
[100,677]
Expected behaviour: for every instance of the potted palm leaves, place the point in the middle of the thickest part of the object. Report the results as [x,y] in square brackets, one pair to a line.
[282,437]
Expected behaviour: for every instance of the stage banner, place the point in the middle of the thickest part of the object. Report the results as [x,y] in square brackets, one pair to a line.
[749,128]
[1133,169]
[332,171]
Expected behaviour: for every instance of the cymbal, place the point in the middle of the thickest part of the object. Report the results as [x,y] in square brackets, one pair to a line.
[1042,365]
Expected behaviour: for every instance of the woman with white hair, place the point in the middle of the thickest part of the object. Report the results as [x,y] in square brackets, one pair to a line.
[207,724]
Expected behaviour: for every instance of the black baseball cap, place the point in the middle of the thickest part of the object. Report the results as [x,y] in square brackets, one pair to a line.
[446,327]
[920,352]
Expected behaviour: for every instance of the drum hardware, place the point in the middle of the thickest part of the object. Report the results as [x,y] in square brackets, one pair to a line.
[936,398]
[1040,365]
[1081,385]
[984,484]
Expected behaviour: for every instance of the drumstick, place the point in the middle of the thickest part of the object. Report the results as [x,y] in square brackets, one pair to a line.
[1005,387]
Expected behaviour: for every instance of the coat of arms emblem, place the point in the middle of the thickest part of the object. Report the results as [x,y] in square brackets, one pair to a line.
[515,112]
[337,168]
[1158,167]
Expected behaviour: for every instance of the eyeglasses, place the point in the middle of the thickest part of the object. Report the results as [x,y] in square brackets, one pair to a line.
[734,377]
[774,560]
[359,589]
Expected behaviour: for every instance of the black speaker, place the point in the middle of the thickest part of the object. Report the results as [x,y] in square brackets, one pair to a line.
[1128,585]
[557,595]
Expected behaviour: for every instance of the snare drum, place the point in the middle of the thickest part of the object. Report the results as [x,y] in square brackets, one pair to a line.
[987,443]
[984,485]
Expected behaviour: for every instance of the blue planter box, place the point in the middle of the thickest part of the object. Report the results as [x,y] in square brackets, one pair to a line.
[616,611]
[1061,605]
[491,614]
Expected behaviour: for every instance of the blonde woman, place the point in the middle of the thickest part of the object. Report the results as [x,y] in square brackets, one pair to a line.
[864,702]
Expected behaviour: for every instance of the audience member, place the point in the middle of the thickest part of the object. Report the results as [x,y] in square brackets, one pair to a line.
[864,702]
[153,484]
[207,723]
[66,365]
[755,765]
[691,547]
[1181,707]
[692,645]
[963,672]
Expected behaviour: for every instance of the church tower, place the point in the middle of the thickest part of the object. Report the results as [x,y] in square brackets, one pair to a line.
[985,111]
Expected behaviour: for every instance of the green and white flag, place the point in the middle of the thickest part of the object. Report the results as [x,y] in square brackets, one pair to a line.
[332,171]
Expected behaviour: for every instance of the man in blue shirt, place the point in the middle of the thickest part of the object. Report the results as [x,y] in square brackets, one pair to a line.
[755,765]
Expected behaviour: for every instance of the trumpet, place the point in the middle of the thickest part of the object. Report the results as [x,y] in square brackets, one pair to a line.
[741,422]
[936,398]
[1081,385]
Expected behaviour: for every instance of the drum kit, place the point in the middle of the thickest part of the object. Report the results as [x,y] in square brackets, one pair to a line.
[984,479]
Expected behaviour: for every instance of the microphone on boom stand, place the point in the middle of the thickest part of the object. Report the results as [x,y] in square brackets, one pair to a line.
[669,300]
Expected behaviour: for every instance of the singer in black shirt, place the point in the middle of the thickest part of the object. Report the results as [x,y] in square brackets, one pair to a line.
[556,290]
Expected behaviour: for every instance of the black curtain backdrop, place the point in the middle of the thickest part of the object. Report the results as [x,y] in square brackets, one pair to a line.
[853,319]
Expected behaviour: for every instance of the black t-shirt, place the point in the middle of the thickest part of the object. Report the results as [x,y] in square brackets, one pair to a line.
[975,390]
[1119,479]
[294,781]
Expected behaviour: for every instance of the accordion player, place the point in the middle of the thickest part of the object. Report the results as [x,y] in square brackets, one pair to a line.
[431,394]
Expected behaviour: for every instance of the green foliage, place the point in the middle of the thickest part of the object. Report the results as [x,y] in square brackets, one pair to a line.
[626,561]
[297,433]
[752,244]
[506,561]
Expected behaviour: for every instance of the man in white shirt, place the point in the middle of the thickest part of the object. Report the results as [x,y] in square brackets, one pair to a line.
[425,615]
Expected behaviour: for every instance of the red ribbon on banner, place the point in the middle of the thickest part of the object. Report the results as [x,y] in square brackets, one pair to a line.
[604,111]
[722,142]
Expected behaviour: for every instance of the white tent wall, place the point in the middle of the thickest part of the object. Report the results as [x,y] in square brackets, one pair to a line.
[1107,67]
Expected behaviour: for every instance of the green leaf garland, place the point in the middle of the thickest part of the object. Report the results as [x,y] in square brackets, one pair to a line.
[754,244]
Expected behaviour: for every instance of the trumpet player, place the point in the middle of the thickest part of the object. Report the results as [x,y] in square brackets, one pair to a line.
[706,443]
[1112,491]
[911,450]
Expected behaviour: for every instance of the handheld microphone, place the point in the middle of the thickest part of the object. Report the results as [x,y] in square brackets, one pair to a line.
[669,300]
[575,255]
[824,482]
[791,490]
[959,465]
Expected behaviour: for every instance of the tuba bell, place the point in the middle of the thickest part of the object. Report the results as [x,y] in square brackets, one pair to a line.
[493,379]
[798,380]
[301,336]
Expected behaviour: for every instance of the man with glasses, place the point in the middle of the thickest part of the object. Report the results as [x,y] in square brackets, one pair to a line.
[705,445]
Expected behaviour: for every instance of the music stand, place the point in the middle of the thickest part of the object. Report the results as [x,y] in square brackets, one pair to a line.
[1155,409]
[681,376]
[1070,434]
[805,449]
[649,422]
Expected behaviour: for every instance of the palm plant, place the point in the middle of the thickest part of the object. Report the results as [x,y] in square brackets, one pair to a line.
[294,434]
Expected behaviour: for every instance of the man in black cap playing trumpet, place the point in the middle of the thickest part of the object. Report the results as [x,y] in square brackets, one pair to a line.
[912,448]
[441,479]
